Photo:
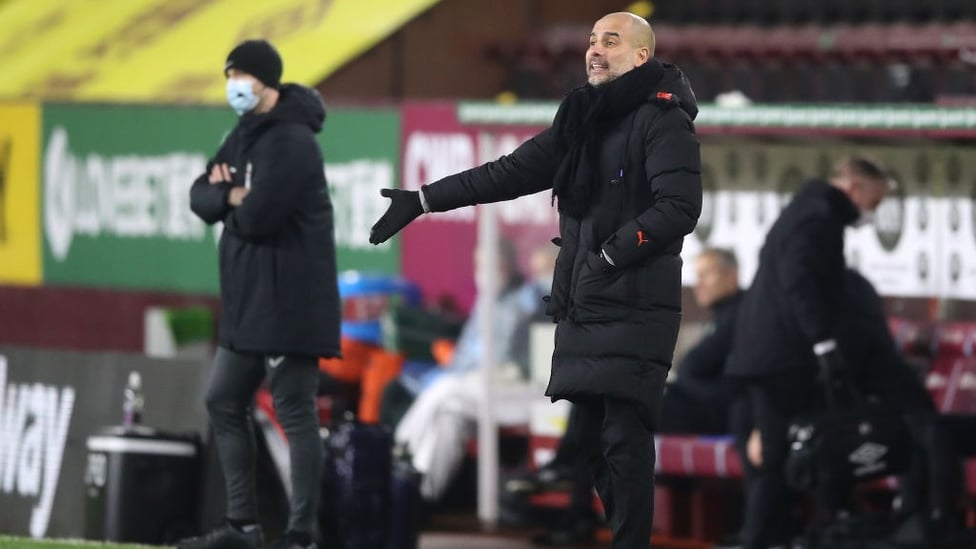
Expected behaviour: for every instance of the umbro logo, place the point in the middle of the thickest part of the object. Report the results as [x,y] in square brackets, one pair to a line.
[868,453]
[869,458]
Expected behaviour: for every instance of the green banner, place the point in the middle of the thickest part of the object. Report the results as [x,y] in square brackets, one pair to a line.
[115,197]
[361,149]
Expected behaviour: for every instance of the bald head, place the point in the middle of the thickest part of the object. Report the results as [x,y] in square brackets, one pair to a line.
[641,33]
[619,43]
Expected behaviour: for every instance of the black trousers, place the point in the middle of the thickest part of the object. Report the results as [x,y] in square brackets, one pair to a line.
[572,460]
[768,404]
[935,476]
[294,382]
[615,436]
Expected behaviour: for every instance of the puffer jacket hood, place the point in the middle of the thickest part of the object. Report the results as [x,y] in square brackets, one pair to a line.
[297,104]
[676,83]
[300,104]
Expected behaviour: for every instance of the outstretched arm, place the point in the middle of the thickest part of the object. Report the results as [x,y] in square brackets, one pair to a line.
[527,170]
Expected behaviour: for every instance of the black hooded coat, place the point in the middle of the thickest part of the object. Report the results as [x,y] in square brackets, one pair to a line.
[278,286]
[623,161]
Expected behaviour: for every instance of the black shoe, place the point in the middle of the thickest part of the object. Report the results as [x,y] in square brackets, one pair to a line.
[290,541]
[225,537]
[544,480]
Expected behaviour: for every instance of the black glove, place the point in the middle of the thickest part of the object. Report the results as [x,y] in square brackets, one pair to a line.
[404,207]
[598,262]
[835,373]
[842,390]
[832,365]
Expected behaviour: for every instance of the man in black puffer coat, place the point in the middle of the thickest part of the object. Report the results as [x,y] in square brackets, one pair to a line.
[278,287]
[623,162]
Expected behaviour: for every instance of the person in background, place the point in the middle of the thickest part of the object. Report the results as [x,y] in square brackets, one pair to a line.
[438,424]
[278,288]
[927,507]
[699,400]
[786,335]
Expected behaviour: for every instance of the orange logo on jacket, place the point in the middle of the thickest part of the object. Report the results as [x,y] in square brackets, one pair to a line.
[640,238]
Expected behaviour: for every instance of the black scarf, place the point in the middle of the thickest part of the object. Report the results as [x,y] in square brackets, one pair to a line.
[582,121]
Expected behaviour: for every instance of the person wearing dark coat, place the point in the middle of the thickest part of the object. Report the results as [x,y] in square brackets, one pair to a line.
[930,489]
[699,400]
[280,308]
[788,328]
[623,162]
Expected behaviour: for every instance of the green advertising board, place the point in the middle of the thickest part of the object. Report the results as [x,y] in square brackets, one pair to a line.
[115,200]
[361,149]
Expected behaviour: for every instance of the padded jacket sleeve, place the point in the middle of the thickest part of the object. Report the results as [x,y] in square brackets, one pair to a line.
[278,184]
[673,167]
[526,170]
[810,259]
[209,200]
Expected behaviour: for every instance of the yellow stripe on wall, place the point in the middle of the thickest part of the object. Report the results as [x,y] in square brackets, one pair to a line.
[20,241]
[174,50]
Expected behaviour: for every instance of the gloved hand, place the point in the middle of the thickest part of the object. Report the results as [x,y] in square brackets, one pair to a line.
[833,367]
[599,262]
[404,207]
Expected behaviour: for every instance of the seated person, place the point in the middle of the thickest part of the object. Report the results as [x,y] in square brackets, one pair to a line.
[699,399]
[357,380]
[438,424]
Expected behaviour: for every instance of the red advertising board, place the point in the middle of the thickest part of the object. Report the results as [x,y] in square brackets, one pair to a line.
[437,250]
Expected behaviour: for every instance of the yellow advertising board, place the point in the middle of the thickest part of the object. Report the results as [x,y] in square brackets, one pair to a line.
[174,50]
[20,241]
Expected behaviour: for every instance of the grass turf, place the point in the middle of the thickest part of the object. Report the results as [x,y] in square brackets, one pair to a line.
[7,542]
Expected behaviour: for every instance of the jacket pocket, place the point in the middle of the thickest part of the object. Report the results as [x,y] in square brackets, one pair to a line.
[602,296]
[656,284]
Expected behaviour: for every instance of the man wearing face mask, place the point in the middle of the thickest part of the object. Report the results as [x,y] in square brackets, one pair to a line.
[787,329]
[278,287]
[623,162]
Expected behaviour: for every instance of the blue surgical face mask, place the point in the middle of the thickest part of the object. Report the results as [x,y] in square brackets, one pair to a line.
[241,96]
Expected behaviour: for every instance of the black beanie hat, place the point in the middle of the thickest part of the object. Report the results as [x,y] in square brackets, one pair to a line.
[259,59]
